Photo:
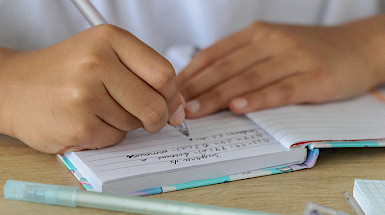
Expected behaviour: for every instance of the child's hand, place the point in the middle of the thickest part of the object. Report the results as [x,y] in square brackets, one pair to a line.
[268,65]
[86,92]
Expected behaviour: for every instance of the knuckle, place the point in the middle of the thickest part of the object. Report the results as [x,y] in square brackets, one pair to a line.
[287,92]
[105,31]
[130,122]
[251,79]
[164,76]
[325,88]
[279,35]
[156,116]
[260,100]
[280,39]
[190,90]
[89,64]
[83,133]
[304,58]
[79,95]
[117,138]
[223,65]
[258,25]
[206,55]
[216,97]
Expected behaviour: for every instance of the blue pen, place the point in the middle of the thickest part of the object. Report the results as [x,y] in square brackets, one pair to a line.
[72,197]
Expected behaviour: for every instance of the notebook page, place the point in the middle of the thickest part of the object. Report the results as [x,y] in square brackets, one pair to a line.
[220,137]
[370,195]
[356,119]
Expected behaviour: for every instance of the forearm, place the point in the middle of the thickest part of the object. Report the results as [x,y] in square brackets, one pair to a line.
[368,35]
[5,56]
[5,119]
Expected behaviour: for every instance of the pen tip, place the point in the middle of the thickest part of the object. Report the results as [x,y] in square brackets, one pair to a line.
[182,128]
[186,133]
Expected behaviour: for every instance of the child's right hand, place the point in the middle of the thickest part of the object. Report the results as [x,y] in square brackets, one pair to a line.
[86,92]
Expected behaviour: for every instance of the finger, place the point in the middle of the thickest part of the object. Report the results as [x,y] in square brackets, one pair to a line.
[207,56]
[293,90]
[260,75]
[100,135]
[147,64]
[254,78]
[115,115]
[223,69]
[136,96]
[70,149]
[205,104]
[93,134]
[176,110]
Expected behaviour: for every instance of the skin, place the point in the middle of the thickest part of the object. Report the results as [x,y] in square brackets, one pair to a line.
[86,92]
[269,65]
[89,90]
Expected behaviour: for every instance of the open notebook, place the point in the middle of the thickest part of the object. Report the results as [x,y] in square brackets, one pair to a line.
[226,147]
[218,145]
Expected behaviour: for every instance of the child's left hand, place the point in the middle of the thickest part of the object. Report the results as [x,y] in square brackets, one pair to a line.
[270,65]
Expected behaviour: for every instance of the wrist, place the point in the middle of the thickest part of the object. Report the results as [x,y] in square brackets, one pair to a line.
[5,68]
[368,35]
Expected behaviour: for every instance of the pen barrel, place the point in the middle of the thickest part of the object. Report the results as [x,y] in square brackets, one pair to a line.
[89,12]
[150,206]
[40,193]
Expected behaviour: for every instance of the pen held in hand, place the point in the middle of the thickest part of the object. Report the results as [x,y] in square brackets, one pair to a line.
[89,12]
[182,128]
[92,15]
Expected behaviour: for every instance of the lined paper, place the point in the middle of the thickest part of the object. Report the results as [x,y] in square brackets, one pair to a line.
[370,195]
[221,137]
[361,118]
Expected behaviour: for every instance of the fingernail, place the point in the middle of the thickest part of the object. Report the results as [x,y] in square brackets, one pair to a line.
[240,103]
[182,99]
[193,106]
[178,115]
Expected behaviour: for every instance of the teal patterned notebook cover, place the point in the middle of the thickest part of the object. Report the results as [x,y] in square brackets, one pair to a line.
[309,163]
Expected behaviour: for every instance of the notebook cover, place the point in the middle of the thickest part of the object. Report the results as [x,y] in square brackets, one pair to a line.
[347,144]
[310,161]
